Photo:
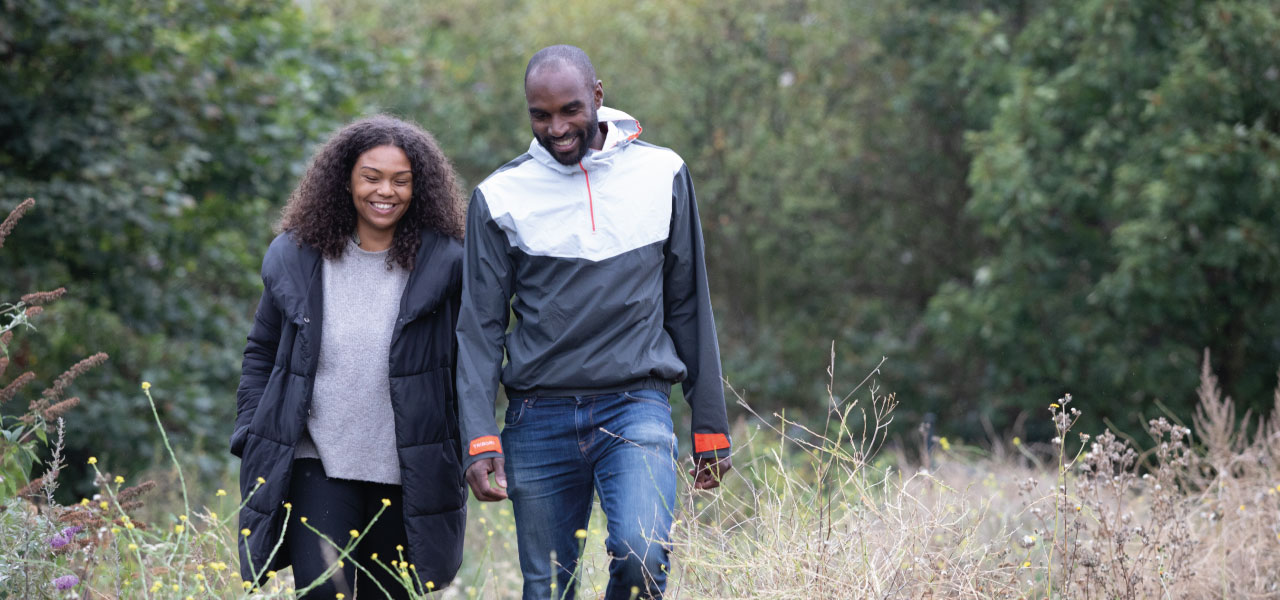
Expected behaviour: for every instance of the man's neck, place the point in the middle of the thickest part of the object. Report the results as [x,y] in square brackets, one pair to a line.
[598,143]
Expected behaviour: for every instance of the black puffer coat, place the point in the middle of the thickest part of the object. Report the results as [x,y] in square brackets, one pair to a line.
[276,383]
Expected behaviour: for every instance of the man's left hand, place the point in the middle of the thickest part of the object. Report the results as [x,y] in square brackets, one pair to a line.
[707,472]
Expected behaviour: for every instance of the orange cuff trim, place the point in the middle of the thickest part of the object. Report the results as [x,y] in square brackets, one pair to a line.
[488,443]
[706,442]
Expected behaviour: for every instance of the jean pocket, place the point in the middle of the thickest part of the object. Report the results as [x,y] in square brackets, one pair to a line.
[515,411]
[648,396]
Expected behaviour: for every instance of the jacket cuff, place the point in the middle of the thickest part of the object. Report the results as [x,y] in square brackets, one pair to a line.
[713,454]
[485,446]
[707,444]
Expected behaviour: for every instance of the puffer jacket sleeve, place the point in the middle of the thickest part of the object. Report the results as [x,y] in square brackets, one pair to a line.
[690,323]
[259,360]
[487,281]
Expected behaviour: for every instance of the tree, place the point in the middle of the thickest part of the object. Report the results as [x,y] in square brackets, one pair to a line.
[1127,186]
[157,137]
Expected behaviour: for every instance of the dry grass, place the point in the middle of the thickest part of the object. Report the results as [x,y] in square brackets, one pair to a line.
[1197,515]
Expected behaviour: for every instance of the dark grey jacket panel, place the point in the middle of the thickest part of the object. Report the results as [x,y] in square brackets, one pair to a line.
[276,382]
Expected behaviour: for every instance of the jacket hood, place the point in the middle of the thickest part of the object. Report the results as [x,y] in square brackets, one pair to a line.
[622,130]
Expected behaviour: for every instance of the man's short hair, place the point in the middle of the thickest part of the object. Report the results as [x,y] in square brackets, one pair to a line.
[566,55]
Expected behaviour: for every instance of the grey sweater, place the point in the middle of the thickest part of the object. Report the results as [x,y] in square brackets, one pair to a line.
[351,426]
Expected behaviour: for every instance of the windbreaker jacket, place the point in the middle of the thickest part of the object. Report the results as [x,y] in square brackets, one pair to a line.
[274,396]
[605,262]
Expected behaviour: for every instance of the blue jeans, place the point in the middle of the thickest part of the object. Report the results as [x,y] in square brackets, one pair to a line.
[560,450]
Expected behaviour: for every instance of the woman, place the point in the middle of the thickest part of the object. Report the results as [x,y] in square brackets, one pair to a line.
[346,394]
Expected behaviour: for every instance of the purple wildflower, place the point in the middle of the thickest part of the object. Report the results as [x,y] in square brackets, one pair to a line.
[64,537]
[66,582]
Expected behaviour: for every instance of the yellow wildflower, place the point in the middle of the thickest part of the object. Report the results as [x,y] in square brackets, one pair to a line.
[146,385]
[386,502]
[221,493]
[93,460]
[580,534]
[119,479]
[245,532]
[178,528]
[946,445]
[354,533]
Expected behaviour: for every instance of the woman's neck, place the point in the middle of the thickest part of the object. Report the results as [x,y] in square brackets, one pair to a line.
[373,240]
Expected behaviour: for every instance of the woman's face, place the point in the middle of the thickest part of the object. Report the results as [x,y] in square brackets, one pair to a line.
[381,187]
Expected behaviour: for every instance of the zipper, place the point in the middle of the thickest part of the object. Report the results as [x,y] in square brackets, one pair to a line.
[590,202]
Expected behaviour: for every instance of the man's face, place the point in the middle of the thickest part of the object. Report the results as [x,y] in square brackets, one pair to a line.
[562,111]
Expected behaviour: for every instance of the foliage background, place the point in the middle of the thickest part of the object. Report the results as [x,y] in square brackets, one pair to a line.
[1009,200]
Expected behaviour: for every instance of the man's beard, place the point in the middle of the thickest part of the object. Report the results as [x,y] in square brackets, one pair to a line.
[586,137]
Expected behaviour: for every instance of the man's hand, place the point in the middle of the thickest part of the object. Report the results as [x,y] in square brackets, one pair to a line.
[478,479]
[707,472]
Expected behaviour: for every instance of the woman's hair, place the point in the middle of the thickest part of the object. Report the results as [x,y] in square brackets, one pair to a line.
[322,214]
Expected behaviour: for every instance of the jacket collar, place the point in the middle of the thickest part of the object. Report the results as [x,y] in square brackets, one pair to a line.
[298,289]
[622,129]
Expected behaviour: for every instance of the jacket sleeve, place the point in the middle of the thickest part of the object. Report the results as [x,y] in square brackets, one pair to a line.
[487,280]
[690,323]
[259,360]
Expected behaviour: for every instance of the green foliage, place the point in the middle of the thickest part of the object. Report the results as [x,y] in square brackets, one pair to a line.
[1009,200]
[158,136]
[1127,190]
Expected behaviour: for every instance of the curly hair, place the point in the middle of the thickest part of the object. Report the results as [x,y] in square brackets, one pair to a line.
[320,212]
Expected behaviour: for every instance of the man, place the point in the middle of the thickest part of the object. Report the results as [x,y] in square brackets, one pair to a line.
[596,236]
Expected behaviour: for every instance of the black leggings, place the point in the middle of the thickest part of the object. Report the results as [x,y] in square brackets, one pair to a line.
[334,507]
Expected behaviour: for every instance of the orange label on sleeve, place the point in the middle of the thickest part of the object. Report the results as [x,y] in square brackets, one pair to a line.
[488,443]
[706,442]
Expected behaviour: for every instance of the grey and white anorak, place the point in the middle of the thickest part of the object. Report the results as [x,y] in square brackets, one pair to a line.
[601,263]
